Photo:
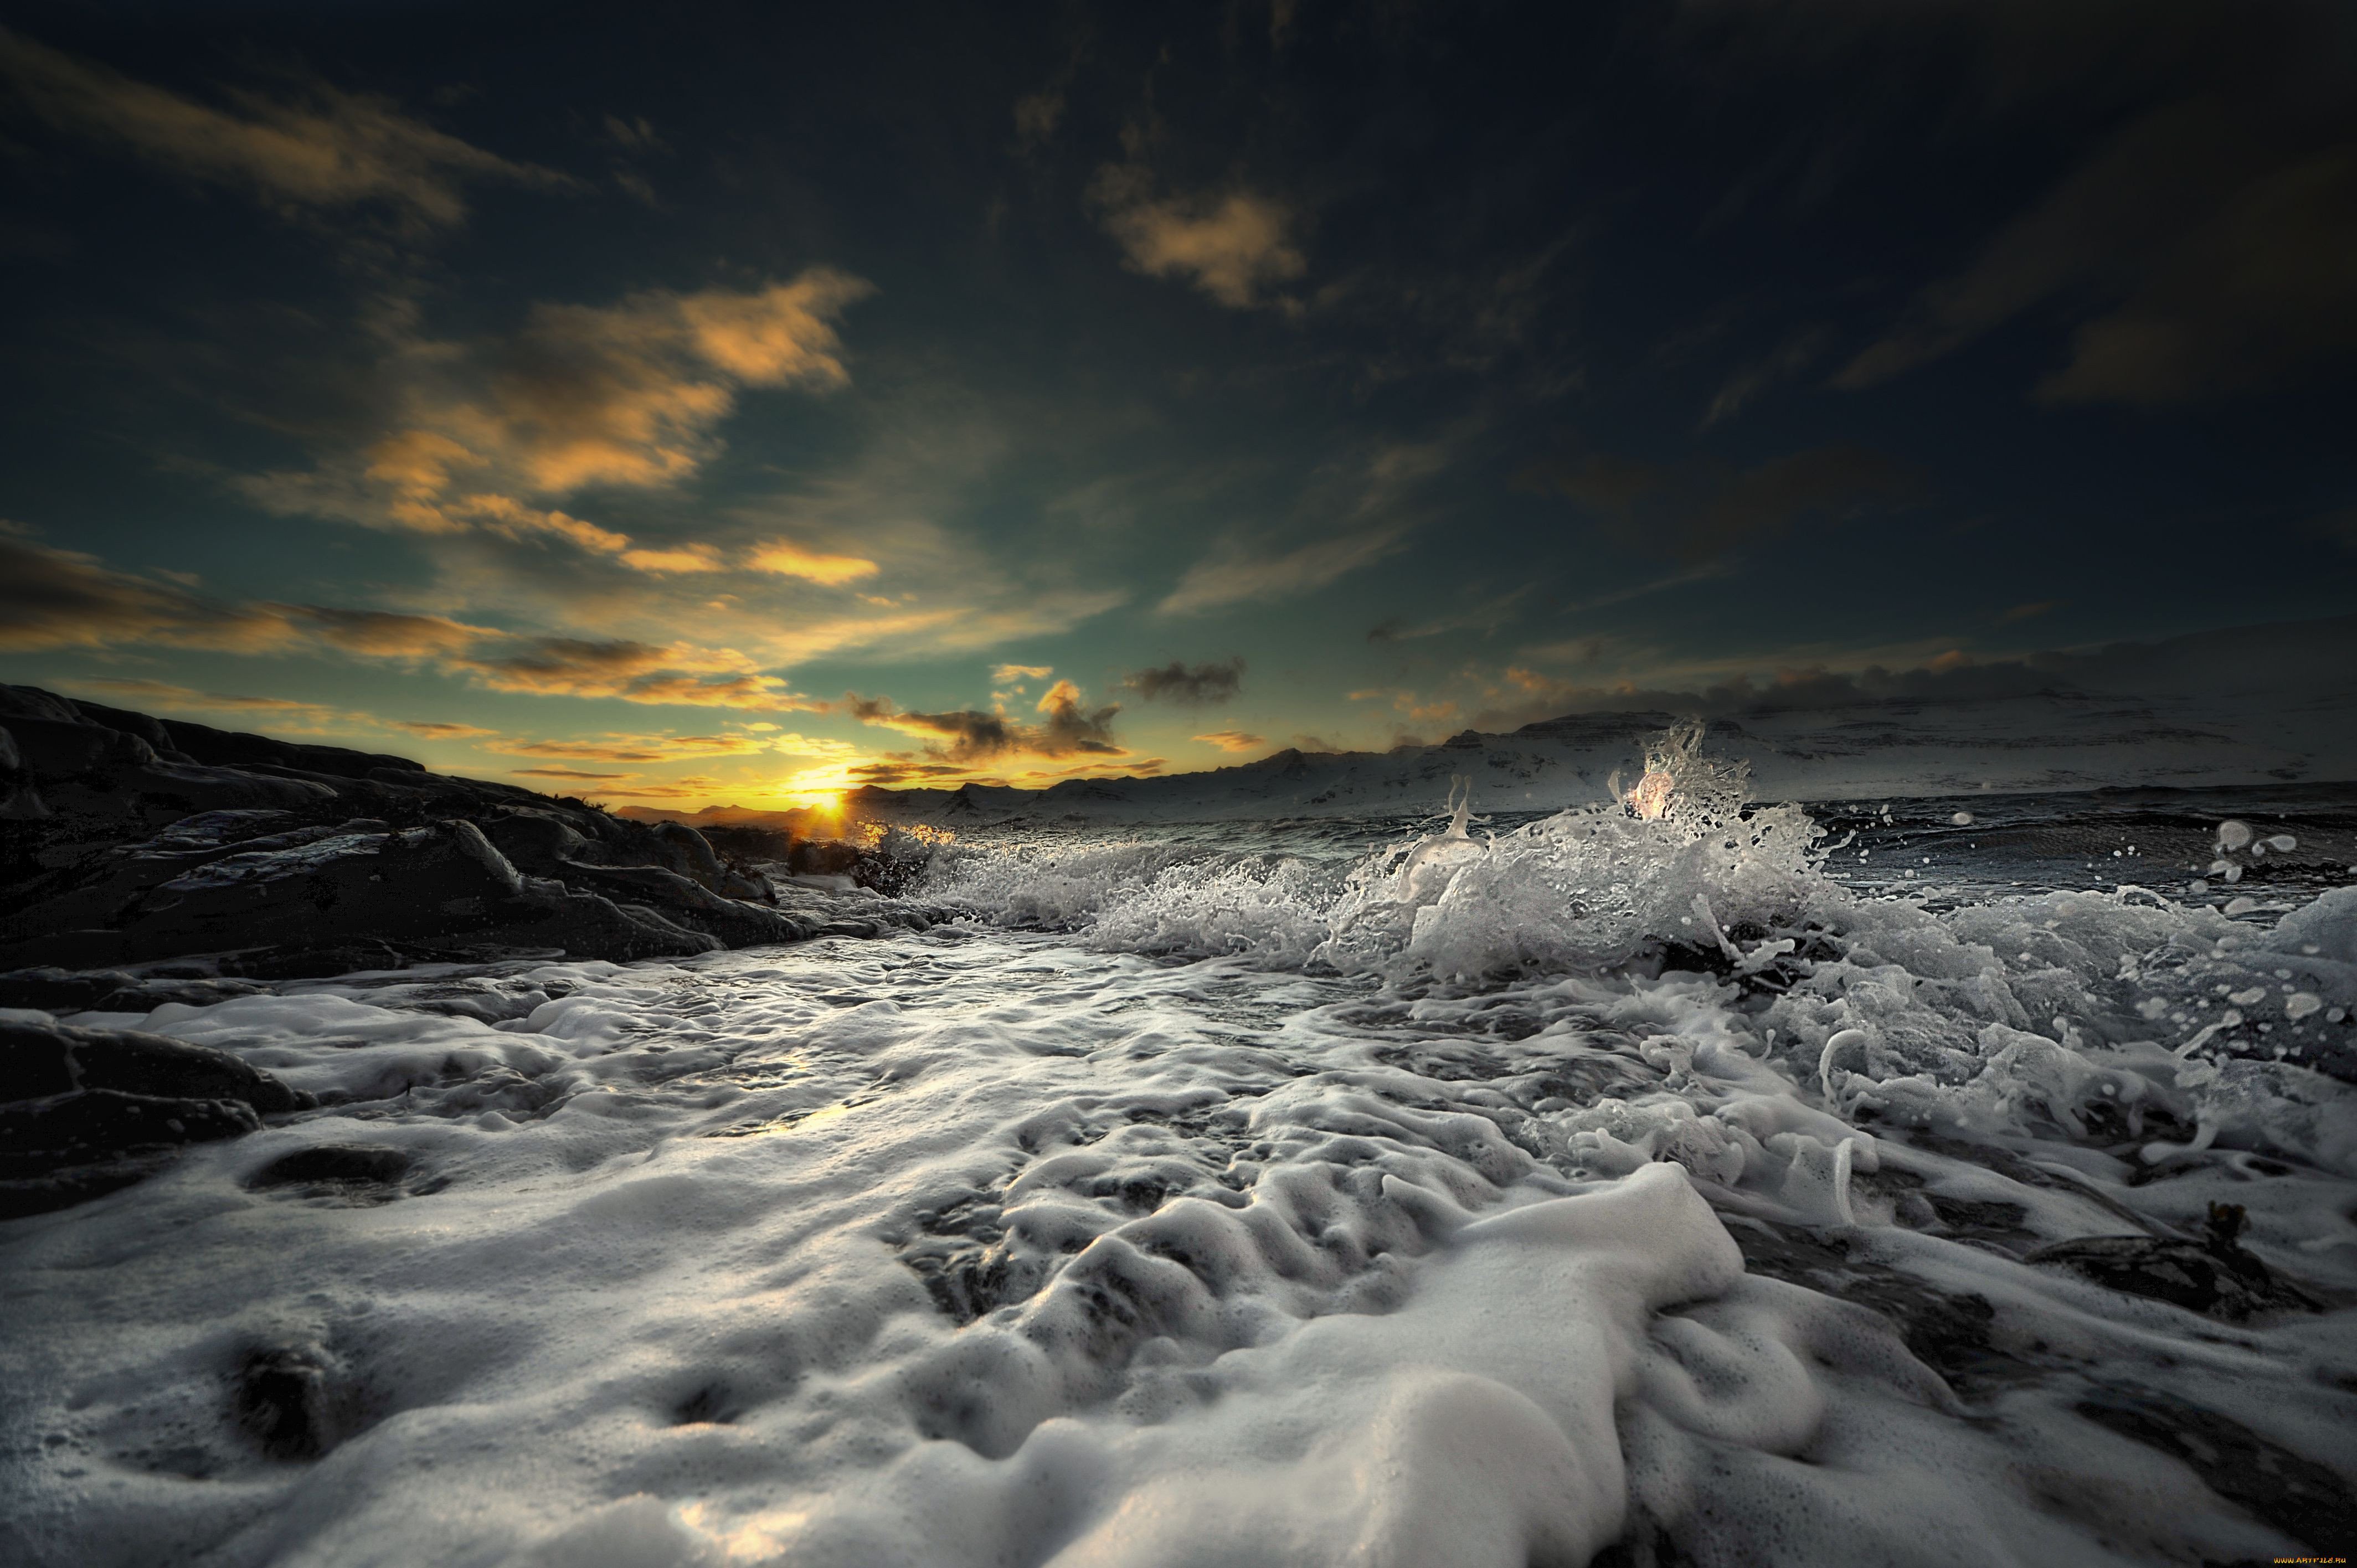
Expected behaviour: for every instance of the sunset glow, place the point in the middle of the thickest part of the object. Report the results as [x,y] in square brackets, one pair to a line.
[1106,429]
[1126,784]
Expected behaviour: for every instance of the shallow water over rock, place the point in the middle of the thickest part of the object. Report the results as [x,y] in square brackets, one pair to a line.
[1131,1219]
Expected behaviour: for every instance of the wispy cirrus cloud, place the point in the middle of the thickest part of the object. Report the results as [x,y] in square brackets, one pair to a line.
[321,150]
[54,599]
[1238,573]
[572,775]
[640,747]
[487,436]
[1366,510]
[439,729]
[284,713]
[1234,740]
[681,674]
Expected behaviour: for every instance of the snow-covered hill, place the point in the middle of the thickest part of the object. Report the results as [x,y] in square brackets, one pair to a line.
[2246,705]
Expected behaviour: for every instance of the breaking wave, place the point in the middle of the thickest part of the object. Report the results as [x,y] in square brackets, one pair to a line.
[1620,1185]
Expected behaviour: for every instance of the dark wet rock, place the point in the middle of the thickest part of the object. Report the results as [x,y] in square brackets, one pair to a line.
[148,728]
[337,956]
[441,884]
[823,857]
[233,748]
[54,990]
[273,859]
[90,1111]
[33,702]
[2300,1496]
[58,1151]
[47,1187]
[88,770]
[49,988]
[969,1283]
[684,902]
[146,994]
[2216,1275]
[90,1123]
[39,1060]
[1950,1333]
[339,1165]
[296,1404]
[20,800]
[540,842]
[707,1406]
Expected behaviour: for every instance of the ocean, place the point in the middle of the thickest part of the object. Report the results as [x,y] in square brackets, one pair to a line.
[1966,1180]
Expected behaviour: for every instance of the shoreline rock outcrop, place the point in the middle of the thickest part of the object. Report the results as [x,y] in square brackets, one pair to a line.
[130,840]
[145,861]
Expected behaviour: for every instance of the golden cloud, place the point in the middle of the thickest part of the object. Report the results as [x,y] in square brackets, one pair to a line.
[1233,740]
[678,558]
[164,693]
[786,559]
[436,730]
[335,150]
[640,748]
[677,790]
[387,634]
[574,774]
[1232,247]
[675,672]
[56,599]
[627,395]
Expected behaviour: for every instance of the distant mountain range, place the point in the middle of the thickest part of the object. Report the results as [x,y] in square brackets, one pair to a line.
[2246,705]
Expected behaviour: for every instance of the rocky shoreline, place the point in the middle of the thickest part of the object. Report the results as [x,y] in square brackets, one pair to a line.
[144,860]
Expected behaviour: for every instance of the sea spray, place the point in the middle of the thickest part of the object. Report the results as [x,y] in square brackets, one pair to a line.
[1635,1185]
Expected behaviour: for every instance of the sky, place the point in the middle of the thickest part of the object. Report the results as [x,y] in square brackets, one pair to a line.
[708,403]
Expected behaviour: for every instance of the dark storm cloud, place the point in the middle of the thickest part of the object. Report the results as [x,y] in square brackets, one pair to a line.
[2242,658]
[1833,483]
[1600,482]
[2234,263]
[1218,681]
[970,734]
[896,771]
[1068,727]
[1073,726]
[2202,231]
[1699,514]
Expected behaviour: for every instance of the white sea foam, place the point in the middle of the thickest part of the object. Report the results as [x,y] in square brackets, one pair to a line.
[1472,1201]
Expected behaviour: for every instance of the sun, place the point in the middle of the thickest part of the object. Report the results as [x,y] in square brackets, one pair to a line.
[819,789]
